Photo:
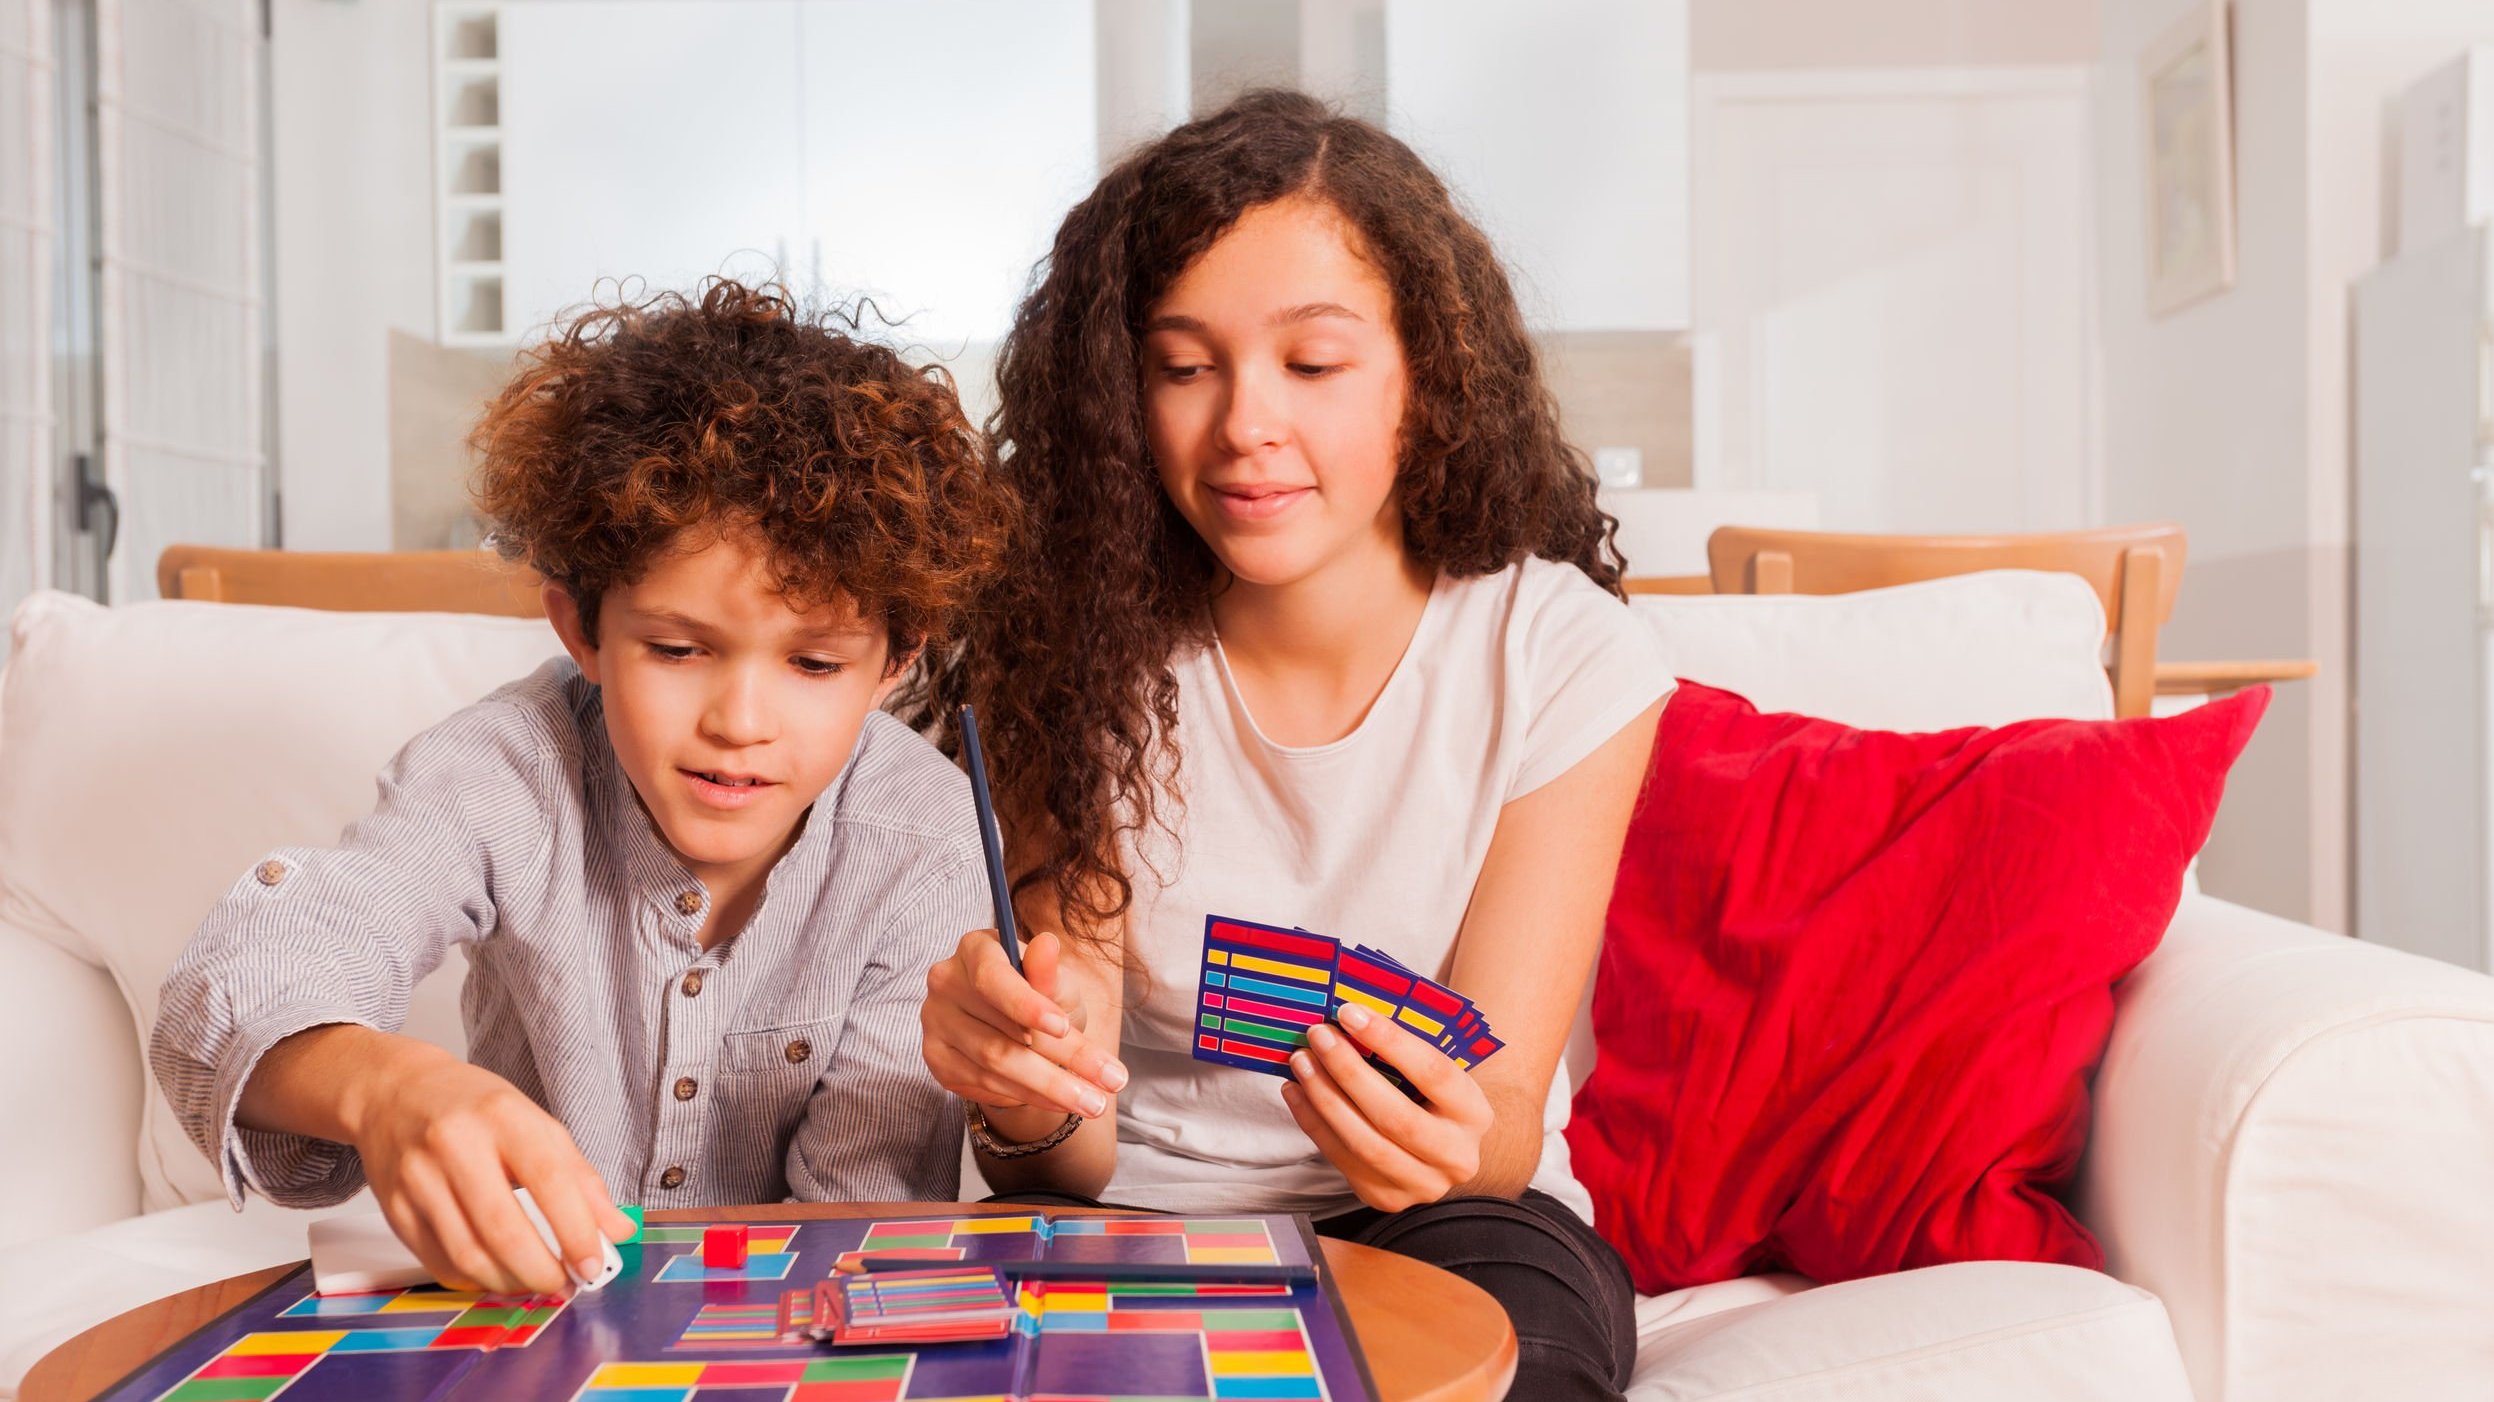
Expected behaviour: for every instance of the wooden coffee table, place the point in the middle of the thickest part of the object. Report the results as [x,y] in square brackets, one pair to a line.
[1429,1336]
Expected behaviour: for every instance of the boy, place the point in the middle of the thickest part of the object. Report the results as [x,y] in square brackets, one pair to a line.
[697,875]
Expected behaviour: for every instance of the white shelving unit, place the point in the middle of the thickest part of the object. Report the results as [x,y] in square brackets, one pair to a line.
[468,200]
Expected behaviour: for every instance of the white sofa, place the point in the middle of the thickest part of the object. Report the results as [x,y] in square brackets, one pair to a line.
[2292,1166]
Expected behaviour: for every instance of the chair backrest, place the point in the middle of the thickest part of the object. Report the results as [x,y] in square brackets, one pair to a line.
[2135,570]
[414,581]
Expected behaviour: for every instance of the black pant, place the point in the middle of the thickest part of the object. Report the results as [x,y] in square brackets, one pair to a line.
[1563,1287]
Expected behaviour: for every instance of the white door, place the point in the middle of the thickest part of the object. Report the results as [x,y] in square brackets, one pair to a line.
[26,237]
[2424,595]
[944,141]
[650,140]
[181,309]
[1892,282]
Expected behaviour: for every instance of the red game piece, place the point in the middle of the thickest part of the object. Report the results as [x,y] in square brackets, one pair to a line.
[723,1246]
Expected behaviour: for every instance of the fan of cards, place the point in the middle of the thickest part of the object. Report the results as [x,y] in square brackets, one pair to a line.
[954,1304]
[1263,987]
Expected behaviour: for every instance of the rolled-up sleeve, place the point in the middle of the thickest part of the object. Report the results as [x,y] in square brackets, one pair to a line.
[312,937]
[877,1127]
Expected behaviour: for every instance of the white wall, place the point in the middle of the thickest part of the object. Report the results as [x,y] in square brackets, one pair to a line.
[2231,415]
[1761,34]
[1564,128]
[353,182]
[2202,424]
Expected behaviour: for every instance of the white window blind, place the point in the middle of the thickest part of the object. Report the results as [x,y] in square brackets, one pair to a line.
[179,169]
[26,252]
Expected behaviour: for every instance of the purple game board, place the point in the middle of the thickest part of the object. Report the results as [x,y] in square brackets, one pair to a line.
[1166,1316]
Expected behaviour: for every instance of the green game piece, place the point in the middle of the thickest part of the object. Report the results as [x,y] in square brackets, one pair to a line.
[637,1224]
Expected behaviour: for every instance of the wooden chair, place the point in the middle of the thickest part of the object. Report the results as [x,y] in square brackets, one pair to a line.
[415,581]
[2135,570]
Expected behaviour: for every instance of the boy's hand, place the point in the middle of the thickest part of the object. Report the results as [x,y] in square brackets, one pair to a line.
[443,1143]
[1396,1153]
[1012,1041]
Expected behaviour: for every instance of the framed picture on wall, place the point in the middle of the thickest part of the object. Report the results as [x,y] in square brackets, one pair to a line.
[2186,101]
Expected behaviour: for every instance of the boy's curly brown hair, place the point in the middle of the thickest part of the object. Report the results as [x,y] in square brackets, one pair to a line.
[1069,661]
[732,409]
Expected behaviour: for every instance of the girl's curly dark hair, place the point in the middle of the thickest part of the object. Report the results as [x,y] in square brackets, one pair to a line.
[1068,659]
[734,410]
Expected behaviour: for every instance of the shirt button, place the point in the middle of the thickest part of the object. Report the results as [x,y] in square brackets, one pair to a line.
[271,872]
[688,903]
[672,1179]
[692,984]
[686,1088]
[799,1050]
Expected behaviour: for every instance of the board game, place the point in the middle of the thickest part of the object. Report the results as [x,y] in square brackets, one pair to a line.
[1101,1308]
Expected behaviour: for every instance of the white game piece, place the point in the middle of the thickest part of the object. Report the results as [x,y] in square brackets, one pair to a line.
[613,1266]
[351,1255]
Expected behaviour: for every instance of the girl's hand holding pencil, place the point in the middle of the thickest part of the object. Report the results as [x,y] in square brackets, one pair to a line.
[1007,1041]
[1003,1029]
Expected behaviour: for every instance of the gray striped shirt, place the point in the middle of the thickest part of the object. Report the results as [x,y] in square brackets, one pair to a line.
[783,1063]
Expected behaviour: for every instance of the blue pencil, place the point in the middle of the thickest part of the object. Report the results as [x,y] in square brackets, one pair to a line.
[991,840]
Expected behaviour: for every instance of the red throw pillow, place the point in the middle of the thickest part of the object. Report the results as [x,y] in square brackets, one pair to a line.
[1854,982]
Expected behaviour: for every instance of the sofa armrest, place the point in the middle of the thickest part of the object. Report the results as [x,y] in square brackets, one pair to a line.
[71,1095]
[2293,1144]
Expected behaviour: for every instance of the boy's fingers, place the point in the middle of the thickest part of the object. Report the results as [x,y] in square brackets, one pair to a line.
[505,1232]
[572,1213]
[463,1262]
[616,1223]
[418,1237]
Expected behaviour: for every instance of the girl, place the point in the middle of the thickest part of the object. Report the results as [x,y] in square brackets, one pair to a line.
[1316,623]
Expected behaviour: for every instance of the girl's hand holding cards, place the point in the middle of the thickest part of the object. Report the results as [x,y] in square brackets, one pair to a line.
[1396,1153]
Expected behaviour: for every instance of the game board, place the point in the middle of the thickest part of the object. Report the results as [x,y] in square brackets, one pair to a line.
[1108,1308]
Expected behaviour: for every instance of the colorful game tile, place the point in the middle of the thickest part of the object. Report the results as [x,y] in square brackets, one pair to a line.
[1262,988]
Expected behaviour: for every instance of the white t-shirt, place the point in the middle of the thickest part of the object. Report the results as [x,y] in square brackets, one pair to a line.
[1377,838]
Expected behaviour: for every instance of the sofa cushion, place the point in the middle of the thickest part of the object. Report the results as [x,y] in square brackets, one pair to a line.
[1971,1332]
[1974,649]
[1853,981]
[156,751]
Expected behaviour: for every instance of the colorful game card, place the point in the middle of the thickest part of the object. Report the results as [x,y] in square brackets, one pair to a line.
[1263,986]
[921,1307]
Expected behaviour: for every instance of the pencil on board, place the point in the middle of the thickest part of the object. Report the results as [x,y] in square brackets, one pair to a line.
[990,840]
